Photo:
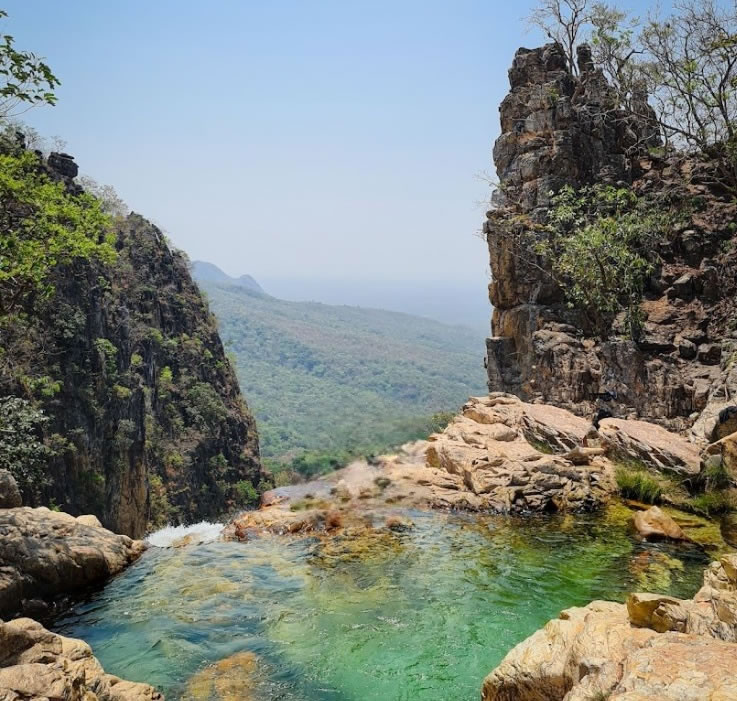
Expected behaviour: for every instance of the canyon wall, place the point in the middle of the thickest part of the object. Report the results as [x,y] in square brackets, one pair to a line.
[146,420]
[559,129]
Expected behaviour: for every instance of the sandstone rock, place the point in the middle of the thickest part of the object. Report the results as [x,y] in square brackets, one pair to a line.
[710,353]
[45,554]
[722,453]
[654,524]
[89,520]
[233,678]
[651,445]
[655,647]
[38,665]
[9,493]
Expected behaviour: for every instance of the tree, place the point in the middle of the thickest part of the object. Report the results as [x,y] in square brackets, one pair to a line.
[601,245]
[42,226]
[689,67]
[110,201]
[685,63]
[25,79]
[564,22]
[22,449]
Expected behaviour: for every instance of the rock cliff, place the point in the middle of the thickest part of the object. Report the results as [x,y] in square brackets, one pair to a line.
[146,421]
[559,129]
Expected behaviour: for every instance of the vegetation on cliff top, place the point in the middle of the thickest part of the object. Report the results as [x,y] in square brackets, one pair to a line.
[684,63]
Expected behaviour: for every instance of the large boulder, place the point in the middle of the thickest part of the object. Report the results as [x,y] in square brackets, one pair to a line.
[722,453]
[37,665]
[655,524]
[44,554]
[10,497]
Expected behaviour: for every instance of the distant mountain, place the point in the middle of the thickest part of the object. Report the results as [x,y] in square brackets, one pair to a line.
[450,302]
[208,272]
[337,379]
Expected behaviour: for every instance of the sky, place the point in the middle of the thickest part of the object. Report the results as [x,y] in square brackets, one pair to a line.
[289,139]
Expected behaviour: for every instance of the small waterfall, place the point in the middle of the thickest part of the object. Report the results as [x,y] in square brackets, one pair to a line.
[176,536]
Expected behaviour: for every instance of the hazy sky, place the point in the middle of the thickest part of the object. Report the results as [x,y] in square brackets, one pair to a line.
[304,138]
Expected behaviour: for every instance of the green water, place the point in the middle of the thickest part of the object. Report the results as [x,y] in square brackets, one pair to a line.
[424,615]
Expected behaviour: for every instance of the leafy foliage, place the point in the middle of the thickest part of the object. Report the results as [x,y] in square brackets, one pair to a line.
[23,451]
[329,383]
[25,79]
[43,225]
[600,244]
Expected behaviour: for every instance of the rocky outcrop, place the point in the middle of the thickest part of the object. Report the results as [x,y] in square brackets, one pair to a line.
[37,665]
[10,496]
[559,129]
[499,455]
[654,647]
[46,554]
[146,419]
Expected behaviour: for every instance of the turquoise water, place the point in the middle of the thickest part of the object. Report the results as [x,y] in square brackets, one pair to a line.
[424,615]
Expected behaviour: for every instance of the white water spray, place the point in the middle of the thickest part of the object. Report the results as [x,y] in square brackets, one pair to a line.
[175,536]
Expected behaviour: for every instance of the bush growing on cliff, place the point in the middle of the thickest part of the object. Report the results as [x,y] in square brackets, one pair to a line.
[600,245]
[22,449]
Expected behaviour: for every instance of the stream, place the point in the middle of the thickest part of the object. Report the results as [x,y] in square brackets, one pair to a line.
[421,615]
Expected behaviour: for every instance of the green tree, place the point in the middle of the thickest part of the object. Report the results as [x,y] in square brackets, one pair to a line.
[601,244]
[25,79]
[42,226]
[22,449]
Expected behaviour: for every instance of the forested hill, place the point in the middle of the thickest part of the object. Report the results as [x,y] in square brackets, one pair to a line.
[334,380]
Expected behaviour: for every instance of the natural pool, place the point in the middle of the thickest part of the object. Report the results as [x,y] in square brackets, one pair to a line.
[423,615]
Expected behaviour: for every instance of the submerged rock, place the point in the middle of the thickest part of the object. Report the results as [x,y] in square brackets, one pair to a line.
[654,647]
[44,554]
[38,665]
[655,524]
[231,679]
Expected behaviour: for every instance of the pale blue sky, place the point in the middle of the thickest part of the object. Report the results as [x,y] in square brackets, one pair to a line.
[325,139]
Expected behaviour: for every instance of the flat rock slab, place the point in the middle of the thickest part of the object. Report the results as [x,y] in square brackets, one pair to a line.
[651,445]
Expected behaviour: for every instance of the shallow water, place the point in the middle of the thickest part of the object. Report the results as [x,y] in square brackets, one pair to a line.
[422,616]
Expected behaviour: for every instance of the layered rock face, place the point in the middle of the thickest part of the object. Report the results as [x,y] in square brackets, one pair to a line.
[146,417]
[45,554]
[37,665]
[559,129]
[654,647]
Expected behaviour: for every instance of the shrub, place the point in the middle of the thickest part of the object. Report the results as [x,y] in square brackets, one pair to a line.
[600,244]
[638,485]
[245,492]
[23,451]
